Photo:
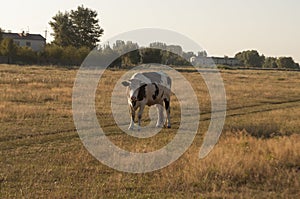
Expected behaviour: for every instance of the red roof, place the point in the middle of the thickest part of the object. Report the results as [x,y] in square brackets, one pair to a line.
[24,36]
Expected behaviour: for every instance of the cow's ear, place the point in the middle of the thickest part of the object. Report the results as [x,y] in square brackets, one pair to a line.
[125,83]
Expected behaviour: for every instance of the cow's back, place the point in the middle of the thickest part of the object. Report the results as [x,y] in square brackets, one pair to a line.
[160,78]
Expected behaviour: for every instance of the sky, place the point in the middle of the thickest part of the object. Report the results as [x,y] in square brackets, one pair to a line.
[221,27]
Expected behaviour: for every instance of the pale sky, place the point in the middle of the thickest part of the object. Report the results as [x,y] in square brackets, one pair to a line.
[222,27]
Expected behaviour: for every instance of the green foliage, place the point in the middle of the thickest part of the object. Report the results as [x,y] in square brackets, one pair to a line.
[8,48]
[121,55]
[171,54]
[53,54]
[86,27]
[151,55]
[63,29]
[171,58]
[82,53]
[78,28]
[128,52]
[286,62]
[131,58]
[26,55]
[69,56]
[250,58]
[270,62]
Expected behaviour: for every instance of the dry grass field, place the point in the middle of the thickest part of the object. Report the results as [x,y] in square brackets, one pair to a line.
[257,156]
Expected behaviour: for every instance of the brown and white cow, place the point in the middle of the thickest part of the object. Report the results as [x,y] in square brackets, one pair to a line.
[149,88]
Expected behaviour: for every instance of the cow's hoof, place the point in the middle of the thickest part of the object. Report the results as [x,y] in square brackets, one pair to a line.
[159,126]
[130,128]
[169,127]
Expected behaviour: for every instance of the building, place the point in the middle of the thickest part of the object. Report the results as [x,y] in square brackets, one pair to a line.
[34,41]
[226,61]
[211,61]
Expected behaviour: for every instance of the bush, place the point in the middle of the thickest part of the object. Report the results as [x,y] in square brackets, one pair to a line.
[82,53]
[69,55]
[26,55]
[53,54]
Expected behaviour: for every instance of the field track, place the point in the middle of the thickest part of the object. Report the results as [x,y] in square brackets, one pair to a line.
[205,116]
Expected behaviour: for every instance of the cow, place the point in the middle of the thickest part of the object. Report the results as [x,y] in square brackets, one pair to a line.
[149,88]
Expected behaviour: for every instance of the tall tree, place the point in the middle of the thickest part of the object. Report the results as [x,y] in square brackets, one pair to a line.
[86,27]
[63,29]
[77,28]
[250,58]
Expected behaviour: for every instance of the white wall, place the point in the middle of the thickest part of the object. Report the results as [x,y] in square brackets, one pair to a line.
[35,45]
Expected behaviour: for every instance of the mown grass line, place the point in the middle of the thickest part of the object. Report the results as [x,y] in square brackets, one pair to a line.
[246,110]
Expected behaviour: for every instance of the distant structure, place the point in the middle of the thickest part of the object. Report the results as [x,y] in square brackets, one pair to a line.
[210,61]
[34,41]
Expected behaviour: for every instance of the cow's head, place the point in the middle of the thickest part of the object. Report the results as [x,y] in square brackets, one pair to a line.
[135,89]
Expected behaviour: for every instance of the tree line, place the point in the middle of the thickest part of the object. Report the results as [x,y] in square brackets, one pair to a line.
[51,55]
[77,32]
[251,58]
[128,54]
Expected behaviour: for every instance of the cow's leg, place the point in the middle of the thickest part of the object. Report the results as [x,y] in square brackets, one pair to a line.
[132,114]
[140,113]
[167,106]
[160,114]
